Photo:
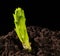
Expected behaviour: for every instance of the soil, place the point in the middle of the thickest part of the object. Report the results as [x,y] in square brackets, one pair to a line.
[44,42]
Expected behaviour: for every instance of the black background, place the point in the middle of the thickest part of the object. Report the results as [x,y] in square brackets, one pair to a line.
[43,14]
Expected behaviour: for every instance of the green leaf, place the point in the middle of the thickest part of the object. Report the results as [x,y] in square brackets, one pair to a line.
[20,27]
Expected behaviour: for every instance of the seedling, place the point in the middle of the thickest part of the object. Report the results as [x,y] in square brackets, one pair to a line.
[20,28]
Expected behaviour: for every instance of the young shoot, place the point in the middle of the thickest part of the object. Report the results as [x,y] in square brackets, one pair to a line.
[20,28]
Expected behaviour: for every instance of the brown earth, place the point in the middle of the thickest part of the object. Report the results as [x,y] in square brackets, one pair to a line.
[44,42]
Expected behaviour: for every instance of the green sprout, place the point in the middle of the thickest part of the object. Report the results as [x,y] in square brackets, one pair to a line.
[20,28]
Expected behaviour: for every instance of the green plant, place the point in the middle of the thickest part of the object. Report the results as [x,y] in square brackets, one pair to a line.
[20,27]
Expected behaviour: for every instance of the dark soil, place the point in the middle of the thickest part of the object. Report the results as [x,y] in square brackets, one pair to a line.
[44,42]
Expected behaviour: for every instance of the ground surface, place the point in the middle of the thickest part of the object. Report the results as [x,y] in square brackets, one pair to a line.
[44,42]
